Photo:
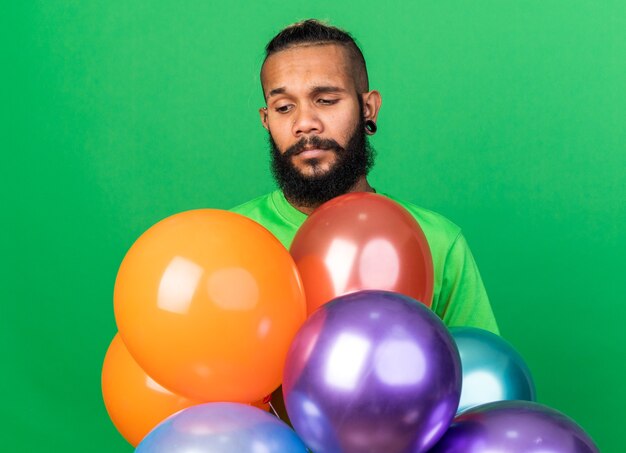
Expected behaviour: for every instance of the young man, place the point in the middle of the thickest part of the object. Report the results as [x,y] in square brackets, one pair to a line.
[319,112]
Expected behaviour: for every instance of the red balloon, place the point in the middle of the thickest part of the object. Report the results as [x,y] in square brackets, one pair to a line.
[362,241]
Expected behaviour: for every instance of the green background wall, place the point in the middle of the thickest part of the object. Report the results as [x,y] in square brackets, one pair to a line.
[507,117]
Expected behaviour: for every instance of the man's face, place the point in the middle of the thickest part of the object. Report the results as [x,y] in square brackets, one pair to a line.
[315,120]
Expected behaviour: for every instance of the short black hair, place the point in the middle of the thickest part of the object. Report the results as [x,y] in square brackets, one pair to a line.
[315,32]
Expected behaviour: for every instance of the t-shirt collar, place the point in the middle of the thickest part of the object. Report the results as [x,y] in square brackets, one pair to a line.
[286,210]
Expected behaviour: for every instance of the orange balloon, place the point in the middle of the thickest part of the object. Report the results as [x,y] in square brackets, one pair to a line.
[134,401]
[362,241]
[207,302]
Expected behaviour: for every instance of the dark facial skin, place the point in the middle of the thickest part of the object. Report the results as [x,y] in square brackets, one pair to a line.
[315,117]
[352,162]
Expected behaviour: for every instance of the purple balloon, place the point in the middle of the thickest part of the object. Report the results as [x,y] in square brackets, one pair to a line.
[514,427]
[372,371]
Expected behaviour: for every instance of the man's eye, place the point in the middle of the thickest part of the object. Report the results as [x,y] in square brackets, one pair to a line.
[327,101]
[283,108]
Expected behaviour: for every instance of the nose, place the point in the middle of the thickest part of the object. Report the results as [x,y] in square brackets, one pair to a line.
[306,122]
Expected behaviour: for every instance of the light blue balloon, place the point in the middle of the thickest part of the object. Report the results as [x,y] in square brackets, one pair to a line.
[221,428]
[492,369]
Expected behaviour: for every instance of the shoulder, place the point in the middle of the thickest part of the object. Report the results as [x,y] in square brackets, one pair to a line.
[268,211]
[253,205]
[439,230]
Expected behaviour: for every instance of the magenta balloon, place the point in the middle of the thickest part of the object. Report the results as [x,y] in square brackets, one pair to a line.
[514,427]
[372,371]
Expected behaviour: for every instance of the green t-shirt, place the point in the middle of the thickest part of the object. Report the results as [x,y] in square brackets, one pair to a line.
[459,296]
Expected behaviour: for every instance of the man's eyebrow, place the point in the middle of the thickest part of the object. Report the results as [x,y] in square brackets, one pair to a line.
[315,90]
[327,89]
[275,91]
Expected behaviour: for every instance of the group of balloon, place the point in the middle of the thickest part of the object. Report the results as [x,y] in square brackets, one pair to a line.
[214,315]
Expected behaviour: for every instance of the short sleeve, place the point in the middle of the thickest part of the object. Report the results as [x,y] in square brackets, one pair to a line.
[463,300]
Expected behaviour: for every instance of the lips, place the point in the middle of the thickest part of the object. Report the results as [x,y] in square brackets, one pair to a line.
[311,153]
[311,148]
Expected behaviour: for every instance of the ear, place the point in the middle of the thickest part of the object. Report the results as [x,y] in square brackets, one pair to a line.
[263,114]
[372,100]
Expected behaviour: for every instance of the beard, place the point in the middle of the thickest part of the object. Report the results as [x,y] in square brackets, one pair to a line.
[351,163]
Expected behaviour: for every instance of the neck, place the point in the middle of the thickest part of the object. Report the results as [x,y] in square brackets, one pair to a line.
[361,186]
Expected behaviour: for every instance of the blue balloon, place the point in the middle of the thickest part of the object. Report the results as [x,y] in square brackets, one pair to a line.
[492,369]
[221,428]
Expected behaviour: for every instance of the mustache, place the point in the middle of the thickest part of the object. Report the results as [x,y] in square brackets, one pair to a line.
[312,142]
